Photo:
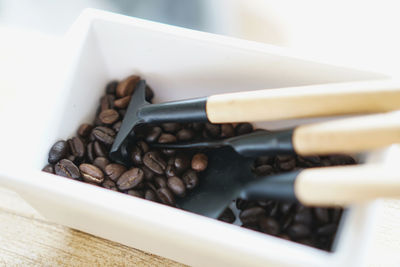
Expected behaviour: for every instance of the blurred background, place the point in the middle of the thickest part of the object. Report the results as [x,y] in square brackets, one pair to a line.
[357,33]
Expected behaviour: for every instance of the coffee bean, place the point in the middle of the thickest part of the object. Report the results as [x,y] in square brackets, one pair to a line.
[48,168]
[104,135]
[108,116]
[136,193]
[171,127]
[227,131]
[114,171]
[341,160]
[109,185]
[99,149]
[85,129]
[253,227]
[58,151]
[213,130]
[127,86]
[152,186]
[130,179]
[243,128]
[122,103]
[303,216]
[263,170]
[72,158]
[166,196]
[285,163]
[77,147]
[197,126]
[101,163]
[328,229]
[168,152]
[122,112]
[264,160]
[116,126]
[227,216]
[91,173]
[138,151]
[154,162]
[106,102]
[170,171]
[90,152]
[160,181]
[298,231]
[111,87]
[251,215]
[199,162]
[177,186]
[153,135]
[148,174]
[269,226]
[190,179]
[181,163]
[67,169]
[150,195]
[321,214]
[166,138]
[185,134]
[285,207]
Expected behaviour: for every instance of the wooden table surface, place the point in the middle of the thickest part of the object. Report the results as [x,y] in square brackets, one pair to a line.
[28,239]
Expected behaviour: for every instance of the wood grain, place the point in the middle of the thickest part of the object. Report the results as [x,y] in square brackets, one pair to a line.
[27,239]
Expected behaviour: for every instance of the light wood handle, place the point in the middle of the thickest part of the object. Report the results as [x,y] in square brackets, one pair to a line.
[304,101]
[348,135]
[341,186]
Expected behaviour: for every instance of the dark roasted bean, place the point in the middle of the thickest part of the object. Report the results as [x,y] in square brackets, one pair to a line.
[99,149]
[148,174]
[109,185]
[264,170]
[171,127]
[153,135]
[341,160]
[101,162]
[199,162]
[150,195]
[285,207]
[108,116]
[197,126]
[154,162]
[177,186]
[114,171]
[251,215]
[91,173]
[213,130]
[269,226]
[328,229]
[122,112]
[166,138]
[185,134]
[137,155]
[166,196]
[48,168]
[321,214]
[190,179]
[136,193]
[127,86]
[116,126]
[90,152]
[243,128]
[169,152]
[253,227]
[104,135]
[111,87]
[122,103]
[130,179]
[85,129]
[77,147]
[181,163]
[106,102]
[160,181]
[264,160]
[298,231]
[227,131]
[67,169]
[227,216]
[303,216]
[170,171]
[58,151]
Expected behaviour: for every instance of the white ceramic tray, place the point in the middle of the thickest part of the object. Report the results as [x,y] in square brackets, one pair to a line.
[177,63]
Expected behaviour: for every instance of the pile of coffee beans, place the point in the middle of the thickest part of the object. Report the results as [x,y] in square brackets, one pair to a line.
[163,175]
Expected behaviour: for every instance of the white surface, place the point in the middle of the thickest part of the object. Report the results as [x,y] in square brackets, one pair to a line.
[103,46]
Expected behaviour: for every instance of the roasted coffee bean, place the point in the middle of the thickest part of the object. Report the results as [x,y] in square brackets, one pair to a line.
[253,227]
[197,126]
[251,215]
[298,231]
[116,126]
[286,220]
[127,86]
[91,173]
[269,226]
[171,127]
[106,102]
[166,196]
[99,149]
[177,186]
[285,207]
[122,112]
[48,168]
[264,160]
[213,130]
[264,170]
[274,209]
[149,94]
[152,186]
[321,214]
[285,163]
[242,204]
[109,185]
[190,179]
[137,155]
[154,162]
[185,134]
[67,169]
[160,181]
[341,160]
[265,203]
[153,135]
[90,152]
[168,152]
[104,135]
[122,103]
[243,128]
[227,131]
[114,171]
[148,174]
[151,195]
[130,179]
[136,193]
[108,116]
[101,163]
[181,163]
[77,147]
[303,216]
[111,87]
[328,229]
[227,216]
[199,162]
[166,138]
[170,171]
[85,129]
[58,151]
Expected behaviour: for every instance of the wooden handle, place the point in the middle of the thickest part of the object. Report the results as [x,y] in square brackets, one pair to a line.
[346,185]
[304,101]
[347,135]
